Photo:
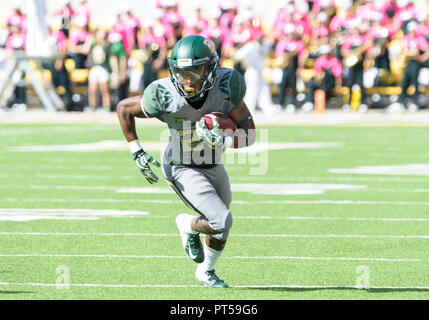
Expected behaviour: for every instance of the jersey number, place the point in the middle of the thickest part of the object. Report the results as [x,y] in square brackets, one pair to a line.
[189,141]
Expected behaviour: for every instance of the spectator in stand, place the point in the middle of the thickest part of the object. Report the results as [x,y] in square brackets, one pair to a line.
[229,10]
[327,76]
[216,35]
[327,6]
[202,22]
[423,27]
[118,64]
[301,23]
[132,26]
[16,18]
[60,77]
[83,11]
[16,42]
[292,51]
[99,53]
[320,32]
[172,14]
[66,13]
[174,22]
[407,12]
[283,17]
[153,42]
[368,11]
[193,28]
[416,51]
[390,8]
[78,39]
[379,36]
[355,47]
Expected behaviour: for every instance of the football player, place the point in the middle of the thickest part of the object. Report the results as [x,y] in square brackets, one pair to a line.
[192,161]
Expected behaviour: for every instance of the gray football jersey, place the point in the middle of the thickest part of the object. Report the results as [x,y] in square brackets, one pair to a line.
[161,100]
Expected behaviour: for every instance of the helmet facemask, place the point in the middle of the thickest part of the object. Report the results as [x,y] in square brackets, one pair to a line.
[193,79]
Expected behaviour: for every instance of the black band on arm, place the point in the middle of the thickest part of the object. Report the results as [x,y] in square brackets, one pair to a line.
[245,120]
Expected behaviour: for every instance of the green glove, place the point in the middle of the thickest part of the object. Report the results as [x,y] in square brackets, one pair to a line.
[142,160]
[214,137]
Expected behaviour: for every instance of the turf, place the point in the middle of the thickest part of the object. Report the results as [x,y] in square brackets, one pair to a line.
[307,246]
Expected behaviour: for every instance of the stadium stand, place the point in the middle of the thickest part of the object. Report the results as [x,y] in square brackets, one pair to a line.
[362,54]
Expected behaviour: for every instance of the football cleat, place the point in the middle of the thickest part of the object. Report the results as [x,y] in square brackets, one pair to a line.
[191,242]
[209,278]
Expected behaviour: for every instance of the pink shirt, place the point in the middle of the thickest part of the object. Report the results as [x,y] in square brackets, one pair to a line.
[422,30]
[378,32]
[16,42]
[289,45]
[417,42]
[321,31]
[353,41]
[59,39]
[328,63]
[171,17]
[405,14]
[226,20]
[83,11]
[159,30]
[338,22]
[128,26]
[78,37]
[147,39]
[16,19]
[318,5]
[65,12]
[389,6]
[367,12]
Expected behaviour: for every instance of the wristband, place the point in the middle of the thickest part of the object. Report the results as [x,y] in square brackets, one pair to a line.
[228,141]
[135,146]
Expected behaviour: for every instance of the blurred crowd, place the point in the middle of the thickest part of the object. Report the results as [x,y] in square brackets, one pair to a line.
[356,51]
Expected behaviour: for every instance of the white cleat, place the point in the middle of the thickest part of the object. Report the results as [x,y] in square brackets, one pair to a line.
[209,278]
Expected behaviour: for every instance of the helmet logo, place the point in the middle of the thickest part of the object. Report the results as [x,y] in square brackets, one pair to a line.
[184,63]
[209,44]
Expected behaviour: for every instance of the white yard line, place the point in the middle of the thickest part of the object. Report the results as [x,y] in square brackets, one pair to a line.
[117,256]
[363,236]
[243,202]
[291,286]
[166,190]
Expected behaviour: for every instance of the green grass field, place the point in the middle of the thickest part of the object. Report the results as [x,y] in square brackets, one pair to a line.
[317,234]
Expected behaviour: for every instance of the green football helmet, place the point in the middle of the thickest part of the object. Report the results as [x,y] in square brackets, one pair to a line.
[192,66]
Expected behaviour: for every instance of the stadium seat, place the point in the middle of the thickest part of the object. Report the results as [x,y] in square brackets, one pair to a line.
[79,76]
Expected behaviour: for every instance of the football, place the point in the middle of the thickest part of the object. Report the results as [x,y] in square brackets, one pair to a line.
[227,125]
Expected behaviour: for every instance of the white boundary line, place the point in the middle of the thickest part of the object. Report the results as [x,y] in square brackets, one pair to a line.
[117,256]
[292,286]
[364,236]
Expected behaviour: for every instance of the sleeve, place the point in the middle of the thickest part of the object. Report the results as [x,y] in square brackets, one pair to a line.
[237,88]
[151,103]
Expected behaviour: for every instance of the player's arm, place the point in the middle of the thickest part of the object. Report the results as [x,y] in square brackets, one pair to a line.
[246,134]
[127,111]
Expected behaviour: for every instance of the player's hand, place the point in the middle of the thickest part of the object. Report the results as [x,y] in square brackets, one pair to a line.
[142,160]
[214,137]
